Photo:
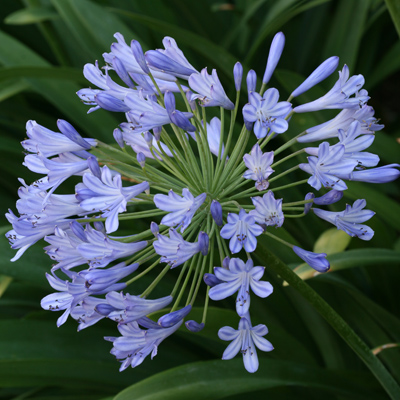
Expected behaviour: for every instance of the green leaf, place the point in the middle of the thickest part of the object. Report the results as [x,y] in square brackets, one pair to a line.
[9,89]
[219,379]
[394,11]
[66,73]
[332,241]
[347,30]
[30,15]
[59,93]
[92,25]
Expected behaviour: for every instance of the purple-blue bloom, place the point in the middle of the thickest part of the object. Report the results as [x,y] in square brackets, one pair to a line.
[259,166]
[245,339]
[124,308]
[242,230]
[350,220]
[329,168]
[329,129]
[136,344]
[47,143]
[268,210]
[106,195]
[238,75]
[339,95]
[181,209]
[216,212]
[209,89]
[79,245]
[267,113]
[387,173]
[317,261]
[240,278]
[170,60]
[175,250]
[168,320]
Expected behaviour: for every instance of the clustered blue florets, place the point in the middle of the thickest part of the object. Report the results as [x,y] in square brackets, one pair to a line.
[163,166]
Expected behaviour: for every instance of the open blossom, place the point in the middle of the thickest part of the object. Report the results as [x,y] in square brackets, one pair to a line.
[105,193]
[242,231]
[209,89]
[329,168]
[136,344]
[245,339]
[268,210]
[240,278]
[259,167]
[340,94]
[181,209]
[267,113]
[350,220]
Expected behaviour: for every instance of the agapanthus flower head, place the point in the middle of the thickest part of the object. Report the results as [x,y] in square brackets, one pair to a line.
[177,183]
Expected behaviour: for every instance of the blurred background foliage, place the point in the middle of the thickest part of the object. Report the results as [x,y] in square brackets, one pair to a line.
[43,47]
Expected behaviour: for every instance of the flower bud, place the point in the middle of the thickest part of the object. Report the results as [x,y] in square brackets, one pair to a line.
[148,137]
[251,81]
[333,196]
[211,280]
[173,318]
[238,75]
[141,159]
[118,138]
[154,228]
[307,206]
[203,243]
[216,212]
[94,166]
[275,52]
[194,326]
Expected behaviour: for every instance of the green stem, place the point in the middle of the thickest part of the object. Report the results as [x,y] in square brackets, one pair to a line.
[287,158]
[275,178]
[335,320]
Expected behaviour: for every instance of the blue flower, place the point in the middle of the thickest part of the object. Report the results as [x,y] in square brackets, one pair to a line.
[46,143]
[267,113]
[329,168]
[209,89]
[240,277]
[245,339]
[136,344]
[317,261]
[124,308]
[78,245]
[354,145]
[70,294]
[268,210]
[175,250]
[181,209]
[242,230]
[339,95]
[259,167]
[350,219]
[106,194]
[387,173]
[329,129]
[170,60]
